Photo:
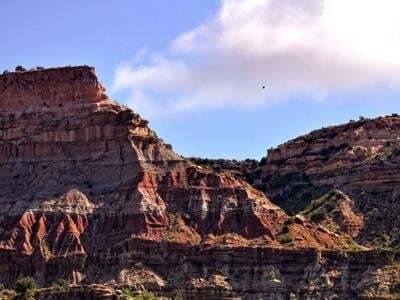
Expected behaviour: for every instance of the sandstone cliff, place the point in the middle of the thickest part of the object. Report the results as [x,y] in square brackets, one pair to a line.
[360,160]
[86,186]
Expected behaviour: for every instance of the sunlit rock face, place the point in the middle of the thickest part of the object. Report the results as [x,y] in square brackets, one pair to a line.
[89,193]
[360,160]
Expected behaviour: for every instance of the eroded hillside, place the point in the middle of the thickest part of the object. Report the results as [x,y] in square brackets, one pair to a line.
[90,194]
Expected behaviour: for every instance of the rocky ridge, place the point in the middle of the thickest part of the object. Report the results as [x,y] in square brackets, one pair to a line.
[360,159]
[89,193]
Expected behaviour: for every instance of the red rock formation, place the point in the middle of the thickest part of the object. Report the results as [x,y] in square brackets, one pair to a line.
[337,212]
[360,159]
[49,88]
[84,180]
[248,273]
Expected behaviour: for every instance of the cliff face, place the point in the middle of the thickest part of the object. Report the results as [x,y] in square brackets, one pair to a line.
[48,89]
[247,273]
[84,182]
[360,159]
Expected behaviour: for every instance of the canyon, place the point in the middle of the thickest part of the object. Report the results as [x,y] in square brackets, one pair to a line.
[90,194]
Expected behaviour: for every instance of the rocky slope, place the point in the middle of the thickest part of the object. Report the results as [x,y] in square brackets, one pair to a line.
[360,159]
[88,192]
[337,212]
[342,177]
[236,273]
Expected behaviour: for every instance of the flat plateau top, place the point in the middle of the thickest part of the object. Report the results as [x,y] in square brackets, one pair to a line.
[47,70]
[46,88]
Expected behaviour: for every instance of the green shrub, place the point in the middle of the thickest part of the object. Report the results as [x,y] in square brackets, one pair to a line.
[20,69]
[61,284]
[2,287]
[25,286]
[290,221]
[330,206]
[178,295]
[217,168]
[279,180]
[126,293]
[285,229]
[334,193]
[263,161]
[395,151]
[145,296]
[286,238]
[317,216]
[129,295]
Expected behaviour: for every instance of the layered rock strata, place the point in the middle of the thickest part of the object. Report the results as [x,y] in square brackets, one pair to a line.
[84,181]
[190,272]
[359,159]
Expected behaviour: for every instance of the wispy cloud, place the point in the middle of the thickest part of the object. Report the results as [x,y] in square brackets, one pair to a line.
[311,47]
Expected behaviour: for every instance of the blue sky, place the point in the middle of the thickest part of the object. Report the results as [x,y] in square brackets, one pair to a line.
[195,68]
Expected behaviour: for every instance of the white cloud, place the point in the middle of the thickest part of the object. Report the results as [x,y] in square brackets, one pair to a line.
[292,46]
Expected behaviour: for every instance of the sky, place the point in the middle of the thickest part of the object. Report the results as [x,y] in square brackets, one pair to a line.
[195,69]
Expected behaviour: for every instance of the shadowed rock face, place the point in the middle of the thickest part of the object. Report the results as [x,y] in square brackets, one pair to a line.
[83,180]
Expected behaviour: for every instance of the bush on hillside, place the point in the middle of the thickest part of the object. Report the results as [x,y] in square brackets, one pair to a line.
[25,286]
